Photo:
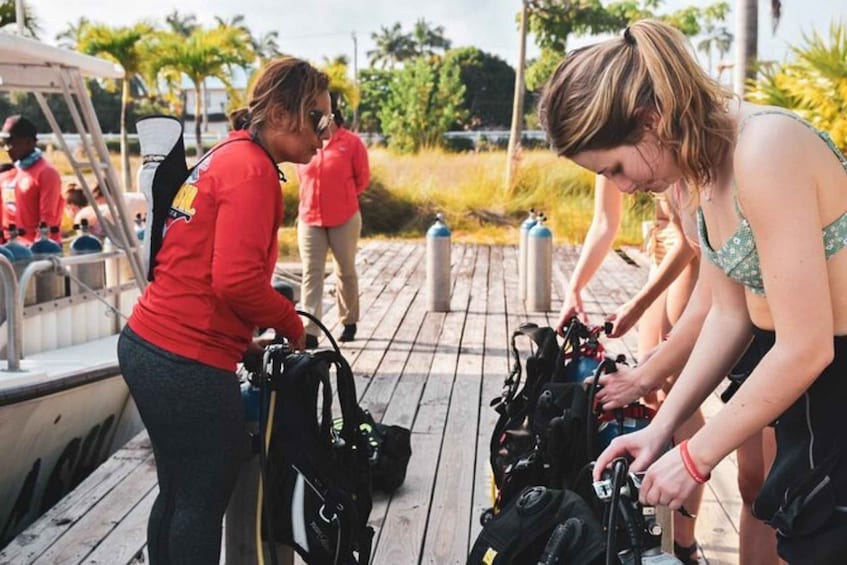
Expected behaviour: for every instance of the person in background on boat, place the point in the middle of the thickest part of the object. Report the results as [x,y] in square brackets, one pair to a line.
[771,197]
[329,219]
[656,308]
[135,203]
[32,191]
[210,291]
[75,201]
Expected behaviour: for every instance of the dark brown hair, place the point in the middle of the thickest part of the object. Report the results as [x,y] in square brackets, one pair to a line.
[286,90]
[75,196]
[598,97]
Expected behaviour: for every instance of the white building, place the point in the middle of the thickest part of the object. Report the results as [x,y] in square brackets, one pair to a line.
[216,102]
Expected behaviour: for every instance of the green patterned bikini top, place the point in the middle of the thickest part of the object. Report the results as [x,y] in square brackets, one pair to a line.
[738,257]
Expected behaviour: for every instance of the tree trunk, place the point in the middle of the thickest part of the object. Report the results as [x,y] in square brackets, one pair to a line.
[746,42]
[126,171]
[197,121]
[355,125]
[204,122]
[517,107]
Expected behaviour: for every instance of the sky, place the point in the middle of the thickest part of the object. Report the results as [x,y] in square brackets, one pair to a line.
[315,29]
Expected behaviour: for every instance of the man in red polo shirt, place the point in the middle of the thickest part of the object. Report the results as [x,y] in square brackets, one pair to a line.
[32,191]
[329,219]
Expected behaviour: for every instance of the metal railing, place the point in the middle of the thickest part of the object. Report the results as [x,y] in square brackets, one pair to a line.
[59,264]
[14,314]
[15,292]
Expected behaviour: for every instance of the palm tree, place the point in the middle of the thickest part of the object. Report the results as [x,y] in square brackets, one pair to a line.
[813,83]
[339,80]
[392,47]
[206,53]
[8,17]
[715,39]
[428,39]
[747,34]
[180,24]
[70,36]
[266,45]
[237,21]
[723,43]
[124,45]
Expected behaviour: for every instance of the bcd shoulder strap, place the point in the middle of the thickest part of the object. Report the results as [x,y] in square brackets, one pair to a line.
[169,177]
[540,367]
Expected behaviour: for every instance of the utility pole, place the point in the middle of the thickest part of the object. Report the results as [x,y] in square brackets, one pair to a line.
[517,107]
[355,79]
[19,16]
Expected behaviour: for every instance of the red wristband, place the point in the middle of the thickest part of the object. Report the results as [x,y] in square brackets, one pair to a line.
[688,463]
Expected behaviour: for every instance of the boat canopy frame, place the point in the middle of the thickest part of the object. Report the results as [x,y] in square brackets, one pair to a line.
[31,66]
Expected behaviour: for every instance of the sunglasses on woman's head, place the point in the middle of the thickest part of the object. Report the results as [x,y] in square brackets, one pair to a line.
[320,121]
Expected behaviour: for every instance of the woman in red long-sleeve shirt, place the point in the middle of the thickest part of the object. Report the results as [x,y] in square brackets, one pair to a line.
[210,290]
[329,219]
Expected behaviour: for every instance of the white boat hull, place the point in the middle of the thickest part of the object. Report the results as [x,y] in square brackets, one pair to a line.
[51,443]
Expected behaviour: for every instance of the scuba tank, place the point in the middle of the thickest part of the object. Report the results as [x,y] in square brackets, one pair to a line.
[438,266]
[21,257]
[527,225]
[539,267]
[118,268]
[93,275]
[48,285]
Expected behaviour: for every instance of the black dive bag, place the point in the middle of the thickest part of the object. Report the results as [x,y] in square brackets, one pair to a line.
[541,525]
[389,450]
[539,437]
[318,479]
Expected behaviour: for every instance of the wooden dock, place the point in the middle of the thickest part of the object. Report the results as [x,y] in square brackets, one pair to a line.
[432,372]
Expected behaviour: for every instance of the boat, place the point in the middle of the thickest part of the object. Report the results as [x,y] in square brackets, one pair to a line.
[64,407]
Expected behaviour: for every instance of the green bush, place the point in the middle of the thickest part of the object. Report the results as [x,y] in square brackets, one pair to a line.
[813,83]
[114,146]
[458,144]
[387,213]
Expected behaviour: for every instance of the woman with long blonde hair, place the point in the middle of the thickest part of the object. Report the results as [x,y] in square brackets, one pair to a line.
[770,193]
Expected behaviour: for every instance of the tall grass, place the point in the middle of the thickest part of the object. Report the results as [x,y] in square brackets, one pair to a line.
[469,190]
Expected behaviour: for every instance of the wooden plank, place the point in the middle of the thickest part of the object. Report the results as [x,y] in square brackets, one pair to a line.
[448,526]
[384,364]
[430,421]
[86,534]
[126,543]
[402,411]
[404,320]
[40,535]
[436,397]
[403,408]
[402,530]
[494,371]
[383,320]
[405,524]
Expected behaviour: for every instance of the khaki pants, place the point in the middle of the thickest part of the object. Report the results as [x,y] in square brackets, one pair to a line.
[314,242]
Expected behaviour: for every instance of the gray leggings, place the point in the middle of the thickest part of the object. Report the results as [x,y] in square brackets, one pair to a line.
[195,418]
